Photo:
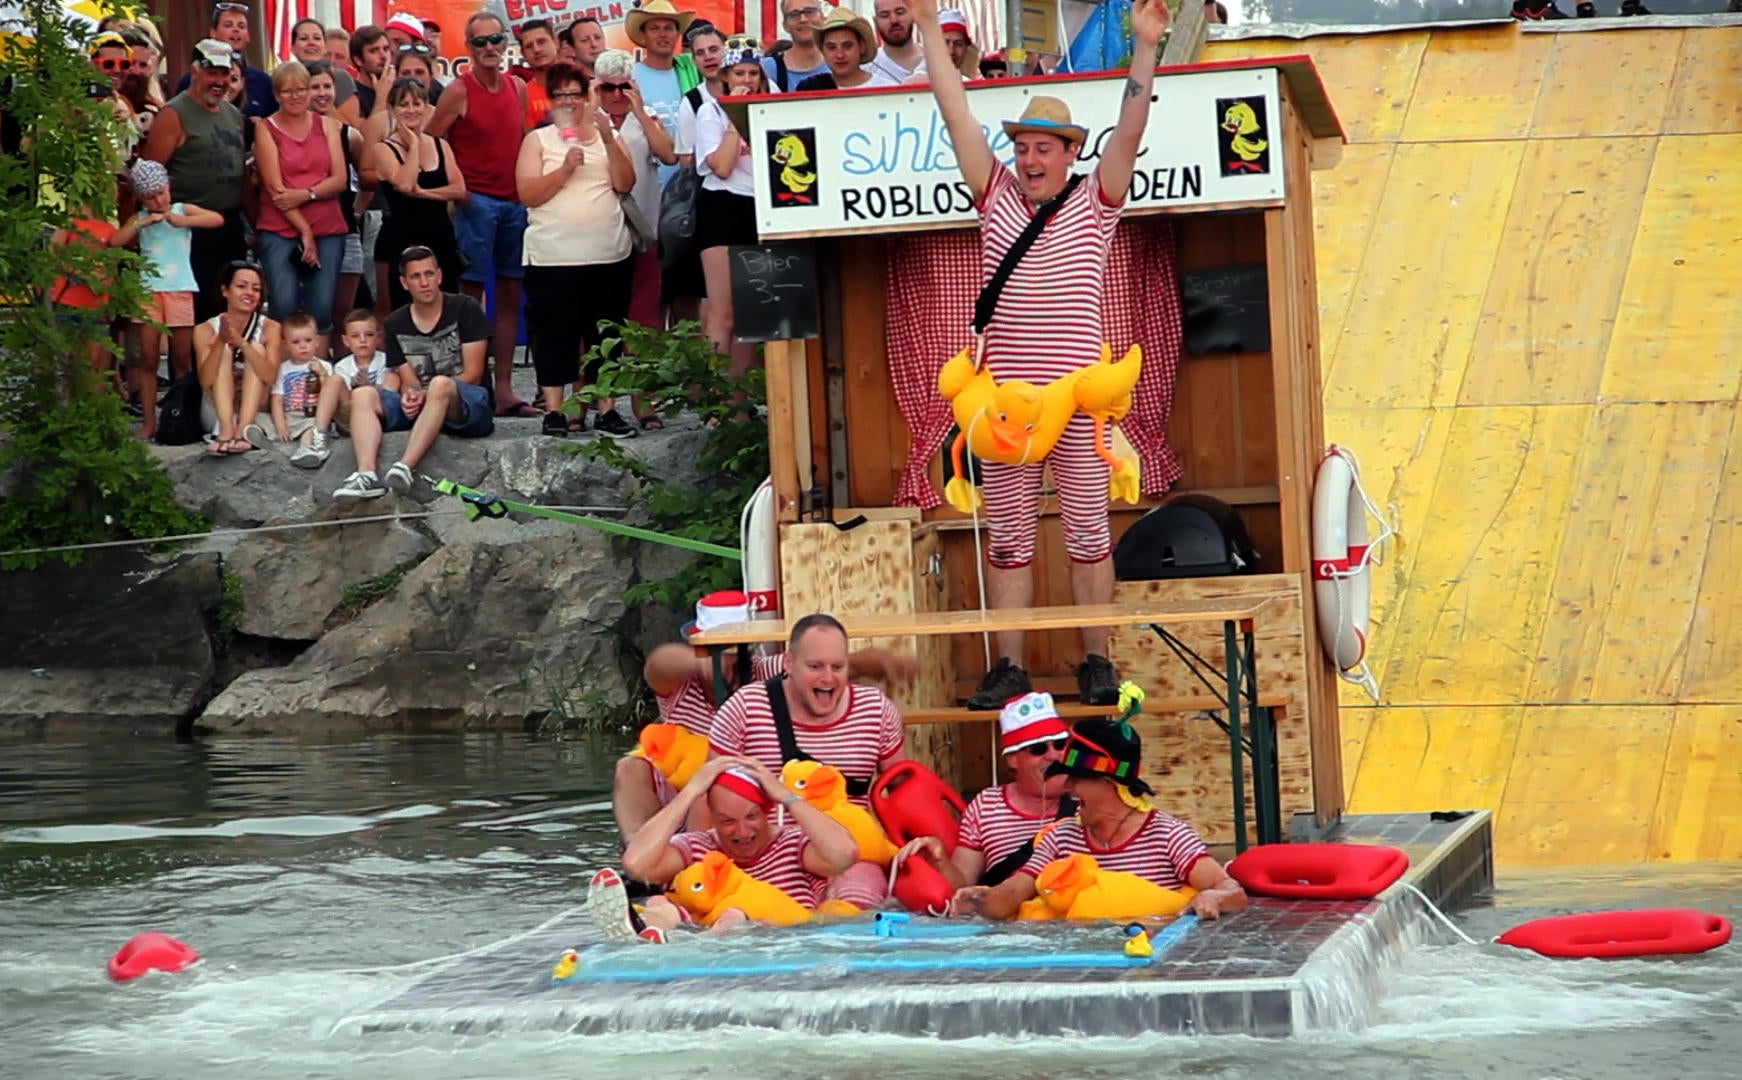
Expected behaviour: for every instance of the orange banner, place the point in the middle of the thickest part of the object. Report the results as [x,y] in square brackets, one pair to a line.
[452,15]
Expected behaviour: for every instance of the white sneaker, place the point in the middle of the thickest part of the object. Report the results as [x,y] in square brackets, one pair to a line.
[608,905]
[399,478]
[258,437]
[359,485]
[312,454]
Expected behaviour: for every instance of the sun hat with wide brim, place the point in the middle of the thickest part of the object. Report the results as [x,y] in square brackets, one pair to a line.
[1047,116]
[655,9]
[843,19]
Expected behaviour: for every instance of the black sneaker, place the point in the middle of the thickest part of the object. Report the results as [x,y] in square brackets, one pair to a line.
[1536,10]
[1634,7]
[610,423]
[556,425]
[1587,11]
[1097,684]
[1002,683]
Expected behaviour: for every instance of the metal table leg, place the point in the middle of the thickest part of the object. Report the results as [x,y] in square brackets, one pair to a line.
[1263,798]
[1232,655]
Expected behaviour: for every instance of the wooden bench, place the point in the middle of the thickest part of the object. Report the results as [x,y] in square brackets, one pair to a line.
[1237,615]
[1074,710]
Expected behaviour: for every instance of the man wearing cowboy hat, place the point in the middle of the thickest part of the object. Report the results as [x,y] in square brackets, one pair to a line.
[662,76]
[1116,824]
[848,45]
[1047,325]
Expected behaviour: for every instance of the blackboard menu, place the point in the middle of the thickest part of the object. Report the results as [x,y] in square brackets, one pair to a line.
[774,291]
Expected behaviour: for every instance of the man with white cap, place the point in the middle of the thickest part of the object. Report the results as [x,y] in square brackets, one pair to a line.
[741,796]
[961,43]
[1047,324]
[404,29]
[230,25]
[999,829]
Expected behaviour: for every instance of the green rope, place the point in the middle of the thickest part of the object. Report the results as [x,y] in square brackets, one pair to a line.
[479,504]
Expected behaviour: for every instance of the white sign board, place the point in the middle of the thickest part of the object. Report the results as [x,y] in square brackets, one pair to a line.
[881,160]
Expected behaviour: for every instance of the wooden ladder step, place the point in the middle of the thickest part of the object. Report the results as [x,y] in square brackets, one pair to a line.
[1152,706]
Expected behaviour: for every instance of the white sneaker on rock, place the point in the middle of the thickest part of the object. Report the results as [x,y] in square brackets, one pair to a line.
[399,478]
[359,485]
[312,454]
[258,437]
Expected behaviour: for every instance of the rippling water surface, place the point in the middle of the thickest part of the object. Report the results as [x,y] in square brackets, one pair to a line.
[317,877]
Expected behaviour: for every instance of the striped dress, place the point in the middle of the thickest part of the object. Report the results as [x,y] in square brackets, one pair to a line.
[1163,851]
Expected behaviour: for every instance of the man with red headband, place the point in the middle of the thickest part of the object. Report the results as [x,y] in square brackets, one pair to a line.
[1117,825]
[797,859]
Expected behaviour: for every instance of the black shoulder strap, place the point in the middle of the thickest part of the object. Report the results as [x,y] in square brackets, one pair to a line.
[857,786]
[694,93]
[999,871]
[780,72]
[988,301]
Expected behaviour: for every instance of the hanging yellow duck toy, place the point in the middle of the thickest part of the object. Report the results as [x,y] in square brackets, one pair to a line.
[1017,422]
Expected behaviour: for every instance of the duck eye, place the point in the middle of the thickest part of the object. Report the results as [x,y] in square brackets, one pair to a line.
[695,886]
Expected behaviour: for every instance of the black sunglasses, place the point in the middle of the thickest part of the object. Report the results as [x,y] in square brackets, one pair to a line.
[614,87]
[489,39]
[1039,749]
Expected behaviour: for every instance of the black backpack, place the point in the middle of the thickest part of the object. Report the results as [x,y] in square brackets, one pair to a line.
[1187,536]
[178,417]
[677,206]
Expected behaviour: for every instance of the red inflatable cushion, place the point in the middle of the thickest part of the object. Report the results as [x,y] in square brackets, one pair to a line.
[911,801]
[1611,934]
[1319,871]
[150,951]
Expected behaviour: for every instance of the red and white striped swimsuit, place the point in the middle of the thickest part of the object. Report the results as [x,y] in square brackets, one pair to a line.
[1164,850]
[781,863]
[994,827]
[868,733]
[1047,325]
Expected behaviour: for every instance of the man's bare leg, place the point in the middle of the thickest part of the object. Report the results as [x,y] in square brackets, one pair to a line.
[507,332]
[441,403]
[633,798]
[1010,588]
[1092,583]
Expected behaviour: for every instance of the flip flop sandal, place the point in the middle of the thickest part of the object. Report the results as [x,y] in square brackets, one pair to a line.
[520,410]
[651,423]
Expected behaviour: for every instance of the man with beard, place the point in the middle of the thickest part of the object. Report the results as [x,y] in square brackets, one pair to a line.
[372,56]
[482,115]
[197,136]
[901,54]
[230,25]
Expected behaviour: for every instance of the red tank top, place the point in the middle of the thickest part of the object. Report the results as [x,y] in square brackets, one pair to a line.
[486,141]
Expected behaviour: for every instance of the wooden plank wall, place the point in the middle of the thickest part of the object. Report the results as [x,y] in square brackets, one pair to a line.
[1186,756]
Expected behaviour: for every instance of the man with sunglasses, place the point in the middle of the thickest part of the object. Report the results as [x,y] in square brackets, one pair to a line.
[804,58]
[999,829]
[482,115]
[230,25]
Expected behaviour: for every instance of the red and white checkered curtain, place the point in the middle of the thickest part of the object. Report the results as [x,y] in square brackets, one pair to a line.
[933,280]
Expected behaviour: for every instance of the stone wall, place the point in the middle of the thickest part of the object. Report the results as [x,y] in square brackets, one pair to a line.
[424,619]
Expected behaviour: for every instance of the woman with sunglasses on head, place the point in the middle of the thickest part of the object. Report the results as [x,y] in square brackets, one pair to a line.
[726,207]
[999,829]
[418,177]
[579,251]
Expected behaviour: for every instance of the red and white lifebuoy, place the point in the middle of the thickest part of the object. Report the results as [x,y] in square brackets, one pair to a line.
[1342,552]
[761,554]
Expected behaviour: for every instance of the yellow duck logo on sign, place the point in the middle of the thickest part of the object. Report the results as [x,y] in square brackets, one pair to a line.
[790,154]
[1246,137]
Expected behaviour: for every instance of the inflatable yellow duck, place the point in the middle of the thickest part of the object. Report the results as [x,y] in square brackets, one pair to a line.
[565,967]
[825,788]
[1017,422]
[1076,887]
[710,888]
[674,750]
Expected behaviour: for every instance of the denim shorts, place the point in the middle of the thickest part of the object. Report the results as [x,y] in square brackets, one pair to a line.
[490,233]
[477,420]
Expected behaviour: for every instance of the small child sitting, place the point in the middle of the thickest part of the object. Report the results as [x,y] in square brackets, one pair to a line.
[297,390]
[365,366]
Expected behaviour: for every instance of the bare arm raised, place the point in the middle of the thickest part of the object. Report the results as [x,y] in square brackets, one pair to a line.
[1149,21]
[973,152]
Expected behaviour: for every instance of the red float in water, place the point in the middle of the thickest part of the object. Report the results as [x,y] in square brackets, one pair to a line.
[912,801]
[150,951]
[1611,934]
[922,887]
[1319,871]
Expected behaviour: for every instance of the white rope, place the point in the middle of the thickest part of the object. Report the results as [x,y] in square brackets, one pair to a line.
[1440,915]
[434,960]
[979,571]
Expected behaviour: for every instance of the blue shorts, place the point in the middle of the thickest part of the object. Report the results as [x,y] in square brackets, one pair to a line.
[490,233]
[476,421]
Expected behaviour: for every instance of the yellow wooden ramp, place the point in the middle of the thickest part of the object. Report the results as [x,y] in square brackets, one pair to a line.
[1530,288]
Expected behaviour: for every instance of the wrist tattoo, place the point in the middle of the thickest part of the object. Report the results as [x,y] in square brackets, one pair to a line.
[1132,89]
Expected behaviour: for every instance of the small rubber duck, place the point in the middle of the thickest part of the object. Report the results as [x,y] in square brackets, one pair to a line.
[565,967]
[1138,943]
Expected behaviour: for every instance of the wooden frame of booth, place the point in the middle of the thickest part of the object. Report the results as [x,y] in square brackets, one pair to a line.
[1248,429]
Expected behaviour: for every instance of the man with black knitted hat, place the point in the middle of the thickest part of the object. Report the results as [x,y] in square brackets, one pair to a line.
[1116,824]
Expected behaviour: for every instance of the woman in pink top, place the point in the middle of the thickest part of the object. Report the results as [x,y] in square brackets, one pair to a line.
[302,225]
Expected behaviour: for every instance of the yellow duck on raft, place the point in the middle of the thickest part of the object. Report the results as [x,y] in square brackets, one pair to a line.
[708,889]
[1017,422]
[1076,887]
[825,788]
[674,750]
[565,967]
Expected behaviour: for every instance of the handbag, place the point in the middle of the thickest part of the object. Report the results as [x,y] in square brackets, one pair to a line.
[641,233]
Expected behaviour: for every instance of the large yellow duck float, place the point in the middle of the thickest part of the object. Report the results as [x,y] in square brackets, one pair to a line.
[825,788]
[1076,887]
[710,888]
[674,750]
[1017,422]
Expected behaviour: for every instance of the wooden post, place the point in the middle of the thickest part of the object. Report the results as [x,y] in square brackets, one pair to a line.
[782,443]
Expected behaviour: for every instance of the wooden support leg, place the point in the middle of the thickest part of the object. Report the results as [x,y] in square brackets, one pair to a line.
[1231,654]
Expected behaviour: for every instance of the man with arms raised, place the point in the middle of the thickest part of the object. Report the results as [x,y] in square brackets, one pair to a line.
[815,711]
[481,115]
[1047,325]
[741,797]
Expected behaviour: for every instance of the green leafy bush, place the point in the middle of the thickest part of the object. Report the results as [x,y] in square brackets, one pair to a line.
[72,471]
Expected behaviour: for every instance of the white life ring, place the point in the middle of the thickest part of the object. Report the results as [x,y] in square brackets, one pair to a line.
[757,545]
[1341,555]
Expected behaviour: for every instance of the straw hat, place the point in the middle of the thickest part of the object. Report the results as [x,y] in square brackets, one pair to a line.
[655,9]
[1047,116]
[843,19]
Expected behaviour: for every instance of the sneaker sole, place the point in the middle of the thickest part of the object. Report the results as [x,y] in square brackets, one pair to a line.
[357,496]
[309,461]
[617,434]
[398,485]
[608,906]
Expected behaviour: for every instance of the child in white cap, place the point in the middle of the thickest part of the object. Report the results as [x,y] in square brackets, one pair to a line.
[163,229]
